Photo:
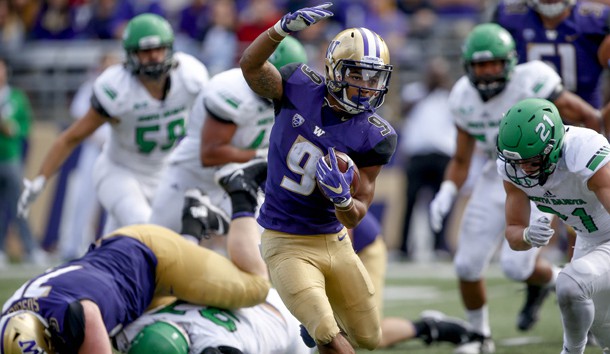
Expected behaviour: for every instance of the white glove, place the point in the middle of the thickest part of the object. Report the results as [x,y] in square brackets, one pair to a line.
[261,153]
[301,19]
[539,233]
[441,204]
[31,191]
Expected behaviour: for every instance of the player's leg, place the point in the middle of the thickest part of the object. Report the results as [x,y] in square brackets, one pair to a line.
[241,182]
[481,233]
[352,294]
[582,292]
[300,283]
[538,274]
[196,274]
[122,193]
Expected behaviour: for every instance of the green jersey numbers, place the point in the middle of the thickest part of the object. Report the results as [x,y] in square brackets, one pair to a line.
[587,221]
[164,136]
[220,317]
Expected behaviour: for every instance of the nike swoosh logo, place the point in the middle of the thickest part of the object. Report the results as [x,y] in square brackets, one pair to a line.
[342,237]
[337,190]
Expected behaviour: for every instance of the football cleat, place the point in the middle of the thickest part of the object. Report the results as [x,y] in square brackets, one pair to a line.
[200,218]
[530,312]
[242,177]
[442,328]
[477,344]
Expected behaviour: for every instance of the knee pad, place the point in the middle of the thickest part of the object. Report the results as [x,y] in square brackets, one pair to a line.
[369,343]
[568,290]
[515,271]
[468,271]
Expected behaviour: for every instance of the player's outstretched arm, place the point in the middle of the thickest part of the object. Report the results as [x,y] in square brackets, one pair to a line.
[262,77]
[57,155]
[577,110]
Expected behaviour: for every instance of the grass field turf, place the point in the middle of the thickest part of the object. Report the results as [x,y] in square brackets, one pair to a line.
[412,288]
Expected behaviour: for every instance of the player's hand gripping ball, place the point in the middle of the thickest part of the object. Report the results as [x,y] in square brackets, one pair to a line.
[331,181]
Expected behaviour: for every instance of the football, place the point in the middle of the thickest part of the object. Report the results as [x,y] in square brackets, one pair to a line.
[342,163]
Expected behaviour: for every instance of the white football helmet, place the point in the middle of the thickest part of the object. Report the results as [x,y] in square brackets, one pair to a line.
[358,58]
[551,8]
[25,332]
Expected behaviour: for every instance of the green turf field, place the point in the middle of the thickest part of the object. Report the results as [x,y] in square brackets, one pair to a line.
[413,288]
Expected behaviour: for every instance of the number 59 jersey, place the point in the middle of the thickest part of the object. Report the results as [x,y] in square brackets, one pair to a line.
[144,129]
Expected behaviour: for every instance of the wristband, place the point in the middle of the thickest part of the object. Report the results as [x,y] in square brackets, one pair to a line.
[278,28]
[345,205]
[273,39]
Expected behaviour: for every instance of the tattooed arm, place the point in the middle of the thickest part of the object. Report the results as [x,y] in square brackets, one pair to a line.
[262,77]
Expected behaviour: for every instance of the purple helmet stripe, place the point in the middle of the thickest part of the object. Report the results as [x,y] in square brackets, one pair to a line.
[365,41]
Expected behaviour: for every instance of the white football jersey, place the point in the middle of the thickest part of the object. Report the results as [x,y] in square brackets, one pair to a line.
[482,119]
[229,97]
[565,193]
[253,330]
[148,129]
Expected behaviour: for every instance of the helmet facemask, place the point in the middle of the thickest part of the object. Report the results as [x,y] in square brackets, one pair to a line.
[358,70]
[368,78]
[489,86]
[519,176]
[551,9]
[153,70]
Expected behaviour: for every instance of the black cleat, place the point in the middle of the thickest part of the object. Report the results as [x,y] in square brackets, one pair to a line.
[200,218]
[442,328]
[243,177]
[530,312]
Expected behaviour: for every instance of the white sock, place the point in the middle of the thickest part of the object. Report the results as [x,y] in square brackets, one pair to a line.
[479,320]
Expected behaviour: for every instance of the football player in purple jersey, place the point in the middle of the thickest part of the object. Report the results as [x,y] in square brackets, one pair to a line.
[572,37]
[75,307]
[305,245]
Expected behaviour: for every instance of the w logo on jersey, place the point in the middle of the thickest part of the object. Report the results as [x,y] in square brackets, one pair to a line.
[297,120]
[318,131]
[29,347]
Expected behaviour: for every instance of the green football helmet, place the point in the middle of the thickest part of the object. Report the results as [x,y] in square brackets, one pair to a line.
[290,50]
[161,337]
[148,31]
[487,42]
[531,132]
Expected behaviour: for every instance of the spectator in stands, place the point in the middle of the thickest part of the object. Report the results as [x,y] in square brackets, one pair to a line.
[108,19]
[15,119]
[427,143]
[256,17]
[12,30]
[27,10]
[55,20]
[147,6]
[192,20]
[219,47]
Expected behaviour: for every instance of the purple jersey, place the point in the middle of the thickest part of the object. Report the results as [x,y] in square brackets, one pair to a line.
[305,127]
[120,280]
[571,48]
